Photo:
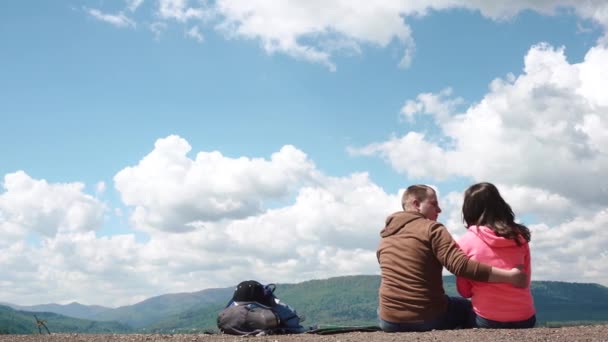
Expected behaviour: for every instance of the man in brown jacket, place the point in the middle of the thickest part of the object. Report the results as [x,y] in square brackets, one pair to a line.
[412,253]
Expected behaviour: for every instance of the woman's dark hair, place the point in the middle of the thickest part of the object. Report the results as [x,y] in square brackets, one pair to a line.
[483,206]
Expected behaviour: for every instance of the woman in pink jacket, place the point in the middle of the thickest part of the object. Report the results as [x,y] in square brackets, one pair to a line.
[494,238]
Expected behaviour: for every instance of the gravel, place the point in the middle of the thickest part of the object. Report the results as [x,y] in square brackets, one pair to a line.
[577,333]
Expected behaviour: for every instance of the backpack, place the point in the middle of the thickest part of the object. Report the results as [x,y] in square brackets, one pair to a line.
[255,310]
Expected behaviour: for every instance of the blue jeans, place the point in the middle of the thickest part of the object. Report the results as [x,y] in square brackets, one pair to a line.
[458,316]
[481,322]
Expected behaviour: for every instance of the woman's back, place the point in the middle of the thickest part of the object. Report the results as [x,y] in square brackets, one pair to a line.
[496,301]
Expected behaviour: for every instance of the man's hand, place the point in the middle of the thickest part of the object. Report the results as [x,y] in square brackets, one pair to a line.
[515,276]
[519,278]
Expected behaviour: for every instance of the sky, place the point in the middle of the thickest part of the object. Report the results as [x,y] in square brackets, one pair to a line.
[162,146]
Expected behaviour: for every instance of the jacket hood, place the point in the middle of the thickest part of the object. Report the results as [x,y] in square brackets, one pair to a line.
[487,235]
[396,221]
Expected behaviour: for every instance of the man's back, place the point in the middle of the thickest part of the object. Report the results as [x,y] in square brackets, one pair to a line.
[412,254]
[412,287]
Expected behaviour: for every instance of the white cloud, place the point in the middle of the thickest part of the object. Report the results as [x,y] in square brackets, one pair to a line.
[545,206]
[541,138]
[572,251]
[195,33]
[594,10]
[301,28]
[440,106]
[330,228]
[308,239]
[74,266]
[100,188]
[315,31]
[180,10]
[170,191]
[35,206]
[157,29]
[133,5]
[326,226]
[213,220]
[118,20]
[344,213]
[411,154]
[539,130]
[331,217]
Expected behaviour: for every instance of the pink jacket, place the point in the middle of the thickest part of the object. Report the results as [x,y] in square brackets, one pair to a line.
[496,301]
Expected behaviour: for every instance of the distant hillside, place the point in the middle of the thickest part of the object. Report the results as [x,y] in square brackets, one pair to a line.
[340,300]
[159,308]
[22,322]
[353,300]
[561,301]
[75,310]
[344,301]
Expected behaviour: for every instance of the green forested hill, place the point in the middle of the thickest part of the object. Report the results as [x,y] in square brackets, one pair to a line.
[340,300]
[351,300]
[560,301]
[158,308]
[23,322]
[75,310]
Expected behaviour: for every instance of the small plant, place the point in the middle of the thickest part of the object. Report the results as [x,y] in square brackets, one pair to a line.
[41,323]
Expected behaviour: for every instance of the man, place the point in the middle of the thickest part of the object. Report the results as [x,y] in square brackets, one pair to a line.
[412,253]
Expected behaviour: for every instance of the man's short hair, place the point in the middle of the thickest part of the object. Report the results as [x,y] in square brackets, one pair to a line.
[418,192]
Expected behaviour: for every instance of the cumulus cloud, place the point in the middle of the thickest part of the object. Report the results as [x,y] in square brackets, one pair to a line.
[411,154]
[100,187]
[195,33]
[301,28]
[440,105]
[133,5]
[315,31]
[593,10]
[541,138]
[344,213]
[70,267]
[328,226]
[118,20]
[157,29]
[538,130]
[169,191]
[180,10]
[302,238]
[572,251]
[34,206]
[331,229]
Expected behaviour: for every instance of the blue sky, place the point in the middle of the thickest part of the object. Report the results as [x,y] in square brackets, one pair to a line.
[143,137]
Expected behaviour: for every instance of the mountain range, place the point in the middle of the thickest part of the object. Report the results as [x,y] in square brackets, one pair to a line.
[350,300]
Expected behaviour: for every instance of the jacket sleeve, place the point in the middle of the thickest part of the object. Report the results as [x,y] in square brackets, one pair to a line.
[451,257]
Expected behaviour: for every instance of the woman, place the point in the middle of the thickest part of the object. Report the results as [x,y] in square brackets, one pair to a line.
[494,238]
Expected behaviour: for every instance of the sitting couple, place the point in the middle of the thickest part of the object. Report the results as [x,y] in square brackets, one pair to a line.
[491,262]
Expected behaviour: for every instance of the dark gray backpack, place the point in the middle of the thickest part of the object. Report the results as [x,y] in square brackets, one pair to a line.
[248,319]
[254,310]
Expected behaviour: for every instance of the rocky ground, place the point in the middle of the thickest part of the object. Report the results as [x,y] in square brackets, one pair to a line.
[578,333]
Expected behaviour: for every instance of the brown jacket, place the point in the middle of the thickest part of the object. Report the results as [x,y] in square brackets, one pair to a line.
[412,253]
